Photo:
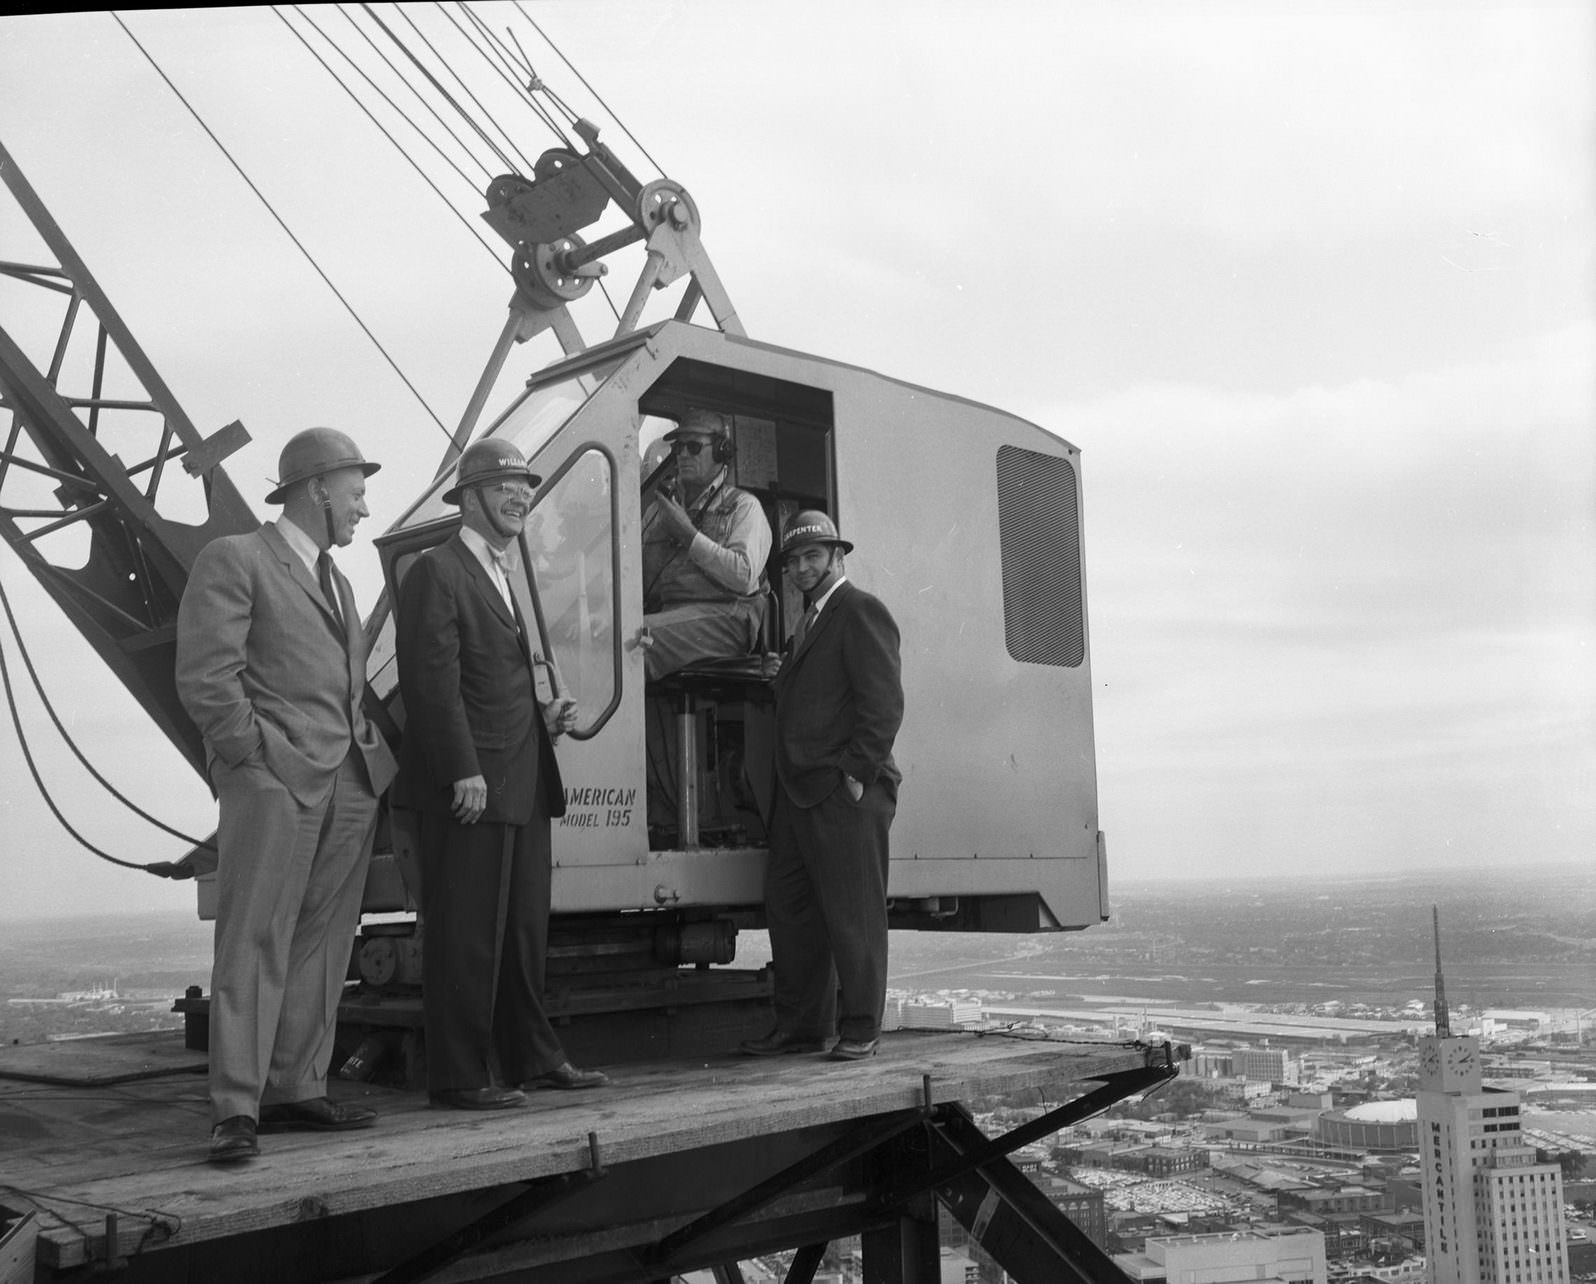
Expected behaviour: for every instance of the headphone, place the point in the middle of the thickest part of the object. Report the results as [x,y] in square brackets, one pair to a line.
[721,448]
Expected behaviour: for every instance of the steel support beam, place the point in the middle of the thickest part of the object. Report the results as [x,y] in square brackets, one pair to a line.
[1011,1219]
[1112,1090]
[905,1252]
[535,1198]
[839,1152]
[805,1262]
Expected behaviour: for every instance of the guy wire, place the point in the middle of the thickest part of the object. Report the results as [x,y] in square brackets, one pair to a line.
[522,11]
[438,87]
[526,165]
[309,258]
[500,61]
[414,164]
[461,143]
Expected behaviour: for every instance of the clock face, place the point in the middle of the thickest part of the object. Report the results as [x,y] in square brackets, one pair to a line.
[1460,1059]
[1429,1059]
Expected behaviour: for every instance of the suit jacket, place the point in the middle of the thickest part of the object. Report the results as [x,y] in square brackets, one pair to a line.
[465,671]
[262,667]
[839,699]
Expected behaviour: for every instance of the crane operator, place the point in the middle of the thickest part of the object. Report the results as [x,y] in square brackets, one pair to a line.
[705,545]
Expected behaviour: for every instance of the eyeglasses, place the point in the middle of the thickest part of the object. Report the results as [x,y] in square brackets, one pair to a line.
[513,490]
[689,447]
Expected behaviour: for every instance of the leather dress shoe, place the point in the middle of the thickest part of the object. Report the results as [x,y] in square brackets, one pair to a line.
[565,1075]
[778,1043]
[232,1140]
[318,1114]
[853,1049]
[489,1098]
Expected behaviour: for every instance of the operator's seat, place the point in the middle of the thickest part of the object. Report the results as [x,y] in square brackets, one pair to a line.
[720,680]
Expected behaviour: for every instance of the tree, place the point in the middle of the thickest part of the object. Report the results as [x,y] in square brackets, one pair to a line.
[1572,1162]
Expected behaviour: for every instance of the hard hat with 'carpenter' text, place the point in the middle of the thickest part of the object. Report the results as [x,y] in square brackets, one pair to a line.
[485,462]
[811,527]
[314,453]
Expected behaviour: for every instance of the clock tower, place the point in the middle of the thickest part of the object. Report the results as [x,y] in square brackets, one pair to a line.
[1450,1064]
[1492,1213]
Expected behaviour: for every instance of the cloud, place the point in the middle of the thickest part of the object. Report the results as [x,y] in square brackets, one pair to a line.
[1383,586]
[1309,283]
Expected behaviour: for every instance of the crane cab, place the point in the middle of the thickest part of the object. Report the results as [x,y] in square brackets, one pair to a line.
[967,525]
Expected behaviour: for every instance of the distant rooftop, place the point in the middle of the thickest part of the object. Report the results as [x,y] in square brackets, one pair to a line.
[1385,1112]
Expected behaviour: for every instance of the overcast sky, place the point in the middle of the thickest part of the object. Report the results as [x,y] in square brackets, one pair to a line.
[1310,285]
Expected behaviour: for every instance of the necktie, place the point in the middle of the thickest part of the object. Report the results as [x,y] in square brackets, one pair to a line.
[504,562]
[804,625]
[329,590]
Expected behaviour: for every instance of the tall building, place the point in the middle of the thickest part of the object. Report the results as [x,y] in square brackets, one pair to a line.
[1266,1065]
[1492,1213]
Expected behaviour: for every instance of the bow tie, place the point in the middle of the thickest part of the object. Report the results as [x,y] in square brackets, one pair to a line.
[505,558]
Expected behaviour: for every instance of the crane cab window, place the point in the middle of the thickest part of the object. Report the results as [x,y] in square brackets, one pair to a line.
[570,549]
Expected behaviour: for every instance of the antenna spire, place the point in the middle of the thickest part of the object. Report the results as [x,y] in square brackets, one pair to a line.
[1443,1027]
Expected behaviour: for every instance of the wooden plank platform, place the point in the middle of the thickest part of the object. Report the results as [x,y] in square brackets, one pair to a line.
[70,1154]
[100,1060]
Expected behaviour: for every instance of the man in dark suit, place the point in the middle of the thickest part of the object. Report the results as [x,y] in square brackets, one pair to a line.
[271,666]
[478,768]
[839,702]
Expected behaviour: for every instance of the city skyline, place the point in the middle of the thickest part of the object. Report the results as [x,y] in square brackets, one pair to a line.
[1309,286]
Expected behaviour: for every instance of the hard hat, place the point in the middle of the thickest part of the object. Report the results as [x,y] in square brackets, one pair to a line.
[811,527]
[488,461]
[313,453]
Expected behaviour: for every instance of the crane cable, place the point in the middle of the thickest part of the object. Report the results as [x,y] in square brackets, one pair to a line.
[398,73]
[500,60]
[438,87]
[587,87]
[525,166]
[355,98]
[164,869]
[309,258]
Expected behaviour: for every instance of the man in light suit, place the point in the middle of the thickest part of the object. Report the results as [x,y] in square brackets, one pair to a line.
[271,666]
[839,703]
[479,770]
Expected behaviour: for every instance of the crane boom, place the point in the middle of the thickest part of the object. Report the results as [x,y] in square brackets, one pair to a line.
[62,473]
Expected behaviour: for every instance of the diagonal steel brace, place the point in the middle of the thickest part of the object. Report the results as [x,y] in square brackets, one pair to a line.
[846,1147]
[1114,1088]
[537,1196]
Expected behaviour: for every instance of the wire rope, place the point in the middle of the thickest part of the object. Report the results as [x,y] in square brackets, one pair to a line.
[497,48]
[548,91]
[355,98]
[309,258]
[158,867]
[524,163]
[437,87]
[487,170]
[522,11]
[66,736]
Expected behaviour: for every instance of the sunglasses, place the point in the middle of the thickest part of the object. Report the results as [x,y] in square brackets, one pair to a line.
[689,447]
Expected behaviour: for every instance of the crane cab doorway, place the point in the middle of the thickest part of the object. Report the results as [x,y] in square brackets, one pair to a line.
[710,727]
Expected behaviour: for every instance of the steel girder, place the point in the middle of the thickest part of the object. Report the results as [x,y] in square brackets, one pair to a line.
[58,471]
